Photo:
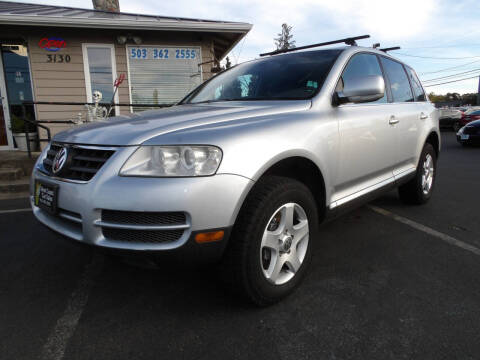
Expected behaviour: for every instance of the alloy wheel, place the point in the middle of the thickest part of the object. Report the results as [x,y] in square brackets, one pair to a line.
[284,243]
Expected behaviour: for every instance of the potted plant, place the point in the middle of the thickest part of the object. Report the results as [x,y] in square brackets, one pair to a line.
[19,130]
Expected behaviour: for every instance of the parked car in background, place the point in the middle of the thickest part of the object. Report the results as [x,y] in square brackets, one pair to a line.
[448,117]
[469,134]
[467,117]
[247,165]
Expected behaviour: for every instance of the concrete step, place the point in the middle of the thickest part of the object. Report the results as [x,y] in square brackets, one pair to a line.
[18,159]
[11,173]
[15,186]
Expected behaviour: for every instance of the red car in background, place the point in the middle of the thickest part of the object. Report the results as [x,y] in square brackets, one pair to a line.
[466,118]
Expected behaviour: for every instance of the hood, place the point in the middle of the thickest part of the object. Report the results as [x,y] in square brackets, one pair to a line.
[134,129]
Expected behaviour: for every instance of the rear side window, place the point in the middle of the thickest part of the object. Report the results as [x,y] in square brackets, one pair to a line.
[361,65]
[399,83]
[416,85]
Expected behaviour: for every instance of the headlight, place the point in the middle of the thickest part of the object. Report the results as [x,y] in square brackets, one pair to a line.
[161,161]
[43,155]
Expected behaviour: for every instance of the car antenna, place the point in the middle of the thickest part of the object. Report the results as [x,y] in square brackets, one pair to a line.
[349,41]
[390,48]
[376,45]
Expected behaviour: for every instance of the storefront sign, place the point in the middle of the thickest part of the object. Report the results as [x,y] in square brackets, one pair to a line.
[52,43]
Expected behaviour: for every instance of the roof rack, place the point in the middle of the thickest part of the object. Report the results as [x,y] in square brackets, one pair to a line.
[390,48]
[349,41]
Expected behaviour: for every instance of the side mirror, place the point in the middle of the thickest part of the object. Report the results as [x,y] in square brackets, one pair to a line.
[361,89]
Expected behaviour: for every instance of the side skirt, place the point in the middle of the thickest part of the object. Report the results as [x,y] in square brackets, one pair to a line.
[332,214]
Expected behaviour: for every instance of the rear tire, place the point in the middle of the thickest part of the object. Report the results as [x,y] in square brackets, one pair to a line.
[419,190]
[267,256]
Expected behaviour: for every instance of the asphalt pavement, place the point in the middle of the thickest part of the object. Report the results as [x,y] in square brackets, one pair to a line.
[378,288]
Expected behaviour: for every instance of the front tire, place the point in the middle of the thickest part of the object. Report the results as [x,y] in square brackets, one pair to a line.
[270,249]
[456,126]
[419,190]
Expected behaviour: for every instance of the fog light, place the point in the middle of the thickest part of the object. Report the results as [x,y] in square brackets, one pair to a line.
[202,238]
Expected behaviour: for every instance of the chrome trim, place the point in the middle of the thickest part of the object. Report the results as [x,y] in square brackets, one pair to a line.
[140,227]
[91,147]
[44,172]
[70,217]
[360,193]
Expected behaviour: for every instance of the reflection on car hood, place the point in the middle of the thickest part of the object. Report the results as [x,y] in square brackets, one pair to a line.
[134,129]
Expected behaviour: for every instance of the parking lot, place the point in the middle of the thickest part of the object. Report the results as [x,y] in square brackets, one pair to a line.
[387,281]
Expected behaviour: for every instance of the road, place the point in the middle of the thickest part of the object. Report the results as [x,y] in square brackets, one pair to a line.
[378,288]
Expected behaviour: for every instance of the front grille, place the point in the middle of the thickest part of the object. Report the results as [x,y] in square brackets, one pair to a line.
[470,130]
[144,218]
[82,164]
[142,236]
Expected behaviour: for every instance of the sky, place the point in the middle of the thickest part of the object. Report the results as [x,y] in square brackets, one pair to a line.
[438,38]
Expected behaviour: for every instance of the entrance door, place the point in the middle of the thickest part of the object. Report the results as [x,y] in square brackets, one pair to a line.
[5,134]
[15,83]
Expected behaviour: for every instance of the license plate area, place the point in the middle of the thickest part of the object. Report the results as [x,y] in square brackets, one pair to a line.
[464,137]
[46,196]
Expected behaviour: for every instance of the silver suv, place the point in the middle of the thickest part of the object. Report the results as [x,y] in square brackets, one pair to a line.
[245,168]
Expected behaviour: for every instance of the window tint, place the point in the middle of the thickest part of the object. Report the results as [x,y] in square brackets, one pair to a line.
[416,85]
[399,84]
[361,65]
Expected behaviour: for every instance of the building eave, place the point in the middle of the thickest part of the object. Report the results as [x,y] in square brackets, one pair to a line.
[102,23]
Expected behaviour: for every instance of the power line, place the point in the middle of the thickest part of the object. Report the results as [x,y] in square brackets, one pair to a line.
[448,82]
[438,58]
[449,68]
[439,47]
[453,75]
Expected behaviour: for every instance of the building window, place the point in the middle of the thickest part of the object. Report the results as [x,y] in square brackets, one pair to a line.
[162,74]
[100,71]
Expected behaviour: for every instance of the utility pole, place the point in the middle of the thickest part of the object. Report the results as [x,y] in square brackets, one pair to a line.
[478,92]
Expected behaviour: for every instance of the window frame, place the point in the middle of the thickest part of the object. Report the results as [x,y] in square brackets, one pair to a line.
[86,70]
[385,80]
[407,68]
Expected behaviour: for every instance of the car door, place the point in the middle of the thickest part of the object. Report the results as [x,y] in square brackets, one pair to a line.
[366,146]
[405,117]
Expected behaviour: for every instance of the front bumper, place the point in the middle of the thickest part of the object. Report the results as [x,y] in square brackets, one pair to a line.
[207,202]
[473,139]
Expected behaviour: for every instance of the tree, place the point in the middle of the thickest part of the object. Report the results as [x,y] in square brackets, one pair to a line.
[228,64]
[285,38]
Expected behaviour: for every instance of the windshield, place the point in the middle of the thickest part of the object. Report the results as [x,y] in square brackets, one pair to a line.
[288,77]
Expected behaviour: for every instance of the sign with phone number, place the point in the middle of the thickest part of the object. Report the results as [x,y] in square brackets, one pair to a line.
[162,53]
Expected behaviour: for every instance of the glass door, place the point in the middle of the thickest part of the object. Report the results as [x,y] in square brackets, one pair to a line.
[6,141]
[16,70]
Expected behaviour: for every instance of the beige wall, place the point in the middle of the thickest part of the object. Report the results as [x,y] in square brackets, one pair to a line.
[65,82]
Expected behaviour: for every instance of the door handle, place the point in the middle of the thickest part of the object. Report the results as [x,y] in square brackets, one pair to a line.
[393,120]
[423,116]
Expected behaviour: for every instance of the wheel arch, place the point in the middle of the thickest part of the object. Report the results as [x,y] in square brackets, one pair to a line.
[434,139]
[302,169]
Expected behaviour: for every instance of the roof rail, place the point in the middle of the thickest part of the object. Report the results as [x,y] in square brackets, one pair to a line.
[349,41]
[390,48]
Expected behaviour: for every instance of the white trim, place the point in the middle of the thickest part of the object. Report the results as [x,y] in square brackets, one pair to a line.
[135,24]
[128,78]
[6,110]
[86,70]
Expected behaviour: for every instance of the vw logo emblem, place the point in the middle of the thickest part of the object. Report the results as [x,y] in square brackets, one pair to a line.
[59,160]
